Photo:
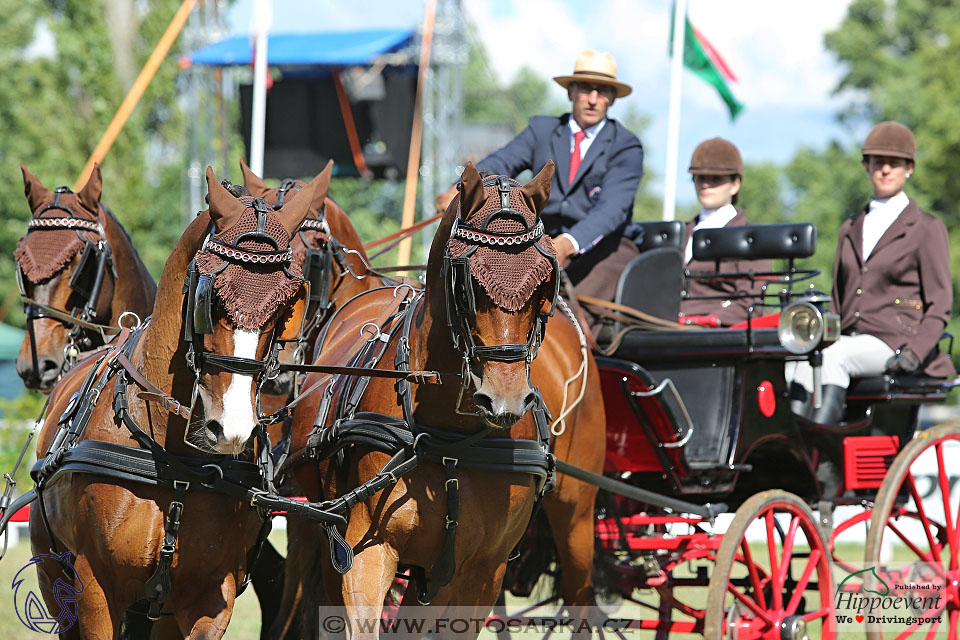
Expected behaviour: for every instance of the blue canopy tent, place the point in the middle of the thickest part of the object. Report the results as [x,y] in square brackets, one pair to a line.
[330,48]
[313,116]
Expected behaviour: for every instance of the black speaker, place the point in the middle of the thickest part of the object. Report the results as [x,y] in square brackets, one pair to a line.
[305,126]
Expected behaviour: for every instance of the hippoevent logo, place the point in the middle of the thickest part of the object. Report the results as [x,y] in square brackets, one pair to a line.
[29,605]
[911,596]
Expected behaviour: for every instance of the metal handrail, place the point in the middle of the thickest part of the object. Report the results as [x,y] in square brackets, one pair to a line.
[668,383]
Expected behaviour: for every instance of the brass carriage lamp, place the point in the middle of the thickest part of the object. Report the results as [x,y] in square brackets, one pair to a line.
[805,328]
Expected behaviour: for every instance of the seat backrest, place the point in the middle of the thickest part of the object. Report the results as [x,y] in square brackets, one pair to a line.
[659,233]
[652,283]
[756,242]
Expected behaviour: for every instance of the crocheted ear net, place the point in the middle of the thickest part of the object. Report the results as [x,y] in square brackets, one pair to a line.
[251,293]
[509,274]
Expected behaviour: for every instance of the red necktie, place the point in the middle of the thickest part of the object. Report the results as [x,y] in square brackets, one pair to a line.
[575,156]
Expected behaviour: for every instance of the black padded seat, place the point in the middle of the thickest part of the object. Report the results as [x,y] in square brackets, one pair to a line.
[638,346]
[653,281]
[889,384]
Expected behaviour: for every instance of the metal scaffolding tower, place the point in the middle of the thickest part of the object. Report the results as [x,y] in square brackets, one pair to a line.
[442,106]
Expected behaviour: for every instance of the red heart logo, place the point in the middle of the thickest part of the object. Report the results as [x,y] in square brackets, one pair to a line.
[859,618]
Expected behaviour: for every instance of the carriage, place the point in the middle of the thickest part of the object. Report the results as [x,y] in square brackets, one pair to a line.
[725,514]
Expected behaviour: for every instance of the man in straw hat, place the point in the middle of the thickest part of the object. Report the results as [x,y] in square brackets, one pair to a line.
[599,164]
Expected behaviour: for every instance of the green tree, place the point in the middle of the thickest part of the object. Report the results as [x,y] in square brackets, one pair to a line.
[58,105]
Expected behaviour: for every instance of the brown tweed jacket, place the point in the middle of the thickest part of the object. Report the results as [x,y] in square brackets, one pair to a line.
[730,311]
[902,293]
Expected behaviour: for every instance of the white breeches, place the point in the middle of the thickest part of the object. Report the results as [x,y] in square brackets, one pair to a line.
[849,357]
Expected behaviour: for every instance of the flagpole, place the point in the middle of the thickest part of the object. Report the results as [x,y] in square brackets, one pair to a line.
[673,123]
[262,17]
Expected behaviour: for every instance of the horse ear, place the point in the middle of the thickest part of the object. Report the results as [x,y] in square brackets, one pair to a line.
[536,192]
[89,196]
[36,193]
[472,194]
[252,181]
[225,209]
[309,199]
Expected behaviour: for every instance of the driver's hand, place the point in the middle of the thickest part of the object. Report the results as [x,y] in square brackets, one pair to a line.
[903,361]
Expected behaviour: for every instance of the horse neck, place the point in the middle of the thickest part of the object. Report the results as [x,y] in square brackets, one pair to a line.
[160,355]
[135,289]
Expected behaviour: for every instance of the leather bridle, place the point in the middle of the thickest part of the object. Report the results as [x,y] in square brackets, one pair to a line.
[86,282]
[199,293]
[458,283]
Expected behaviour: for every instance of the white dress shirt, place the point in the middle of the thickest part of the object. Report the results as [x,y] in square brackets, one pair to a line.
[709,219]
[584,145]
[880,215]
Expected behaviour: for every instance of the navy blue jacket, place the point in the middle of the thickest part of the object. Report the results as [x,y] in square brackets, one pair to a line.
[599,203]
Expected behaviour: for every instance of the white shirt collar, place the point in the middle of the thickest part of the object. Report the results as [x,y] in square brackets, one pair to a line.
[710,219]
[591,131]
[896,203]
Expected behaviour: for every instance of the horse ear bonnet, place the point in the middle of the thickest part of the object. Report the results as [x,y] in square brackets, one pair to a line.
[251,293]
[509,274]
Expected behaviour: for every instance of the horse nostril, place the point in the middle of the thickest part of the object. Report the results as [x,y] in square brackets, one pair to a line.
[212,431]
[483,402]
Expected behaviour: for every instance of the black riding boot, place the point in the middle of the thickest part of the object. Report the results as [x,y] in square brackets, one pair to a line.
[831,410]
[801,402]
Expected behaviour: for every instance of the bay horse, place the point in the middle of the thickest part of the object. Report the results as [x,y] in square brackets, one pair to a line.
[68,267]
[492,281]
[165,512]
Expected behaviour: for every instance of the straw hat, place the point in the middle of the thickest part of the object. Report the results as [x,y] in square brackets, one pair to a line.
[597,68]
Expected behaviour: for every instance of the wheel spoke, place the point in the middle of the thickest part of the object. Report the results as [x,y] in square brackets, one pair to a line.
[750,604]
[920,554]
[772,552]
[945,492]
[924,521]
[787,554]
[754,576]
[804,580]
[816,615]
[954,614]
[931,635]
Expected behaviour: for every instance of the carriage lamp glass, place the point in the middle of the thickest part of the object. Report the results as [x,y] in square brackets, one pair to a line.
[801,327]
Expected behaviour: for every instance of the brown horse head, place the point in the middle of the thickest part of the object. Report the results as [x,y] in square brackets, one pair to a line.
[500,283]
[246,294]
[326,231]
[57,262]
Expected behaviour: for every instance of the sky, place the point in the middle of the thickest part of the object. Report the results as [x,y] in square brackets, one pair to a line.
[786,77]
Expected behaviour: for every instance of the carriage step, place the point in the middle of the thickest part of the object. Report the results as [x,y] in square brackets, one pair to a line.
[866,460]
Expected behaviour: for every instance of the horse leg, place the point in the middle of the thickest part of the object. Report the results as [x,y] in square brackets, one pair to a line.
[267,581]
[205,612]
[364,587]
[302,589]
[570,512]
[95,616]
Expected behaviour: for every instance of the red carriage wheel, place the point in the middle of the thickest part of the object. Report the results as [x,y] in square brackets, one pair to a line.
[771,583]
[915,518]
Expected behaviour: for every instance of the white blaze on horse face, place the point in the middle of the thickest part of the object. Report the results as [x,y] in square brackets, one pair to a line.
[238,419]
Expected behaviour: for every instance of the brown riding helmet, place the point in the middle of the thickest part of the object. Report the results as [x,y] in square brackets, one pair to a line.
[890,139]
[716,157]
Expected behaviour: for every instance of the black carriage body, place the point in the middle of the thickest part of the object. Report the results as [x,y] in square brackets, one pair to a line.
[729,430]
